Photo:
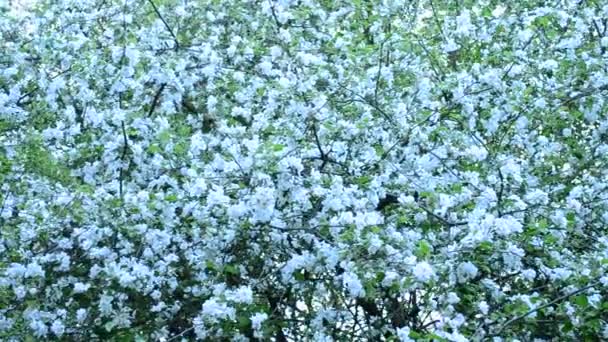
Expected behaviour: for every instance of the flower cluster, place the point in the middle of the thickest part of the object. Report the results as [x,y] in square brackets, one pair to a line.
[304,170]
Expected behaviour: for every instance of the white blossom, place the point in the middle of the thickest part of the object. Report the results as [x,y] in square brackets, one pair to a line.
[467,270]
[228,170]
[214,309]
[423,271]
[353,285]
[257,319]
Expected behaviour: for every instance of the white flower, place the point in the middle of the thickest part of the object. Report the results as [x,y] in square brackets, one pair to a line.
[295,263]
[242,295]
[81,315]
[20,292]
[389,278]
[217,197]
[81,287]
[457,337]
[540,103]
[424,88]
[483,307]
[477,153]
[511,168]
[39,328]
[524,35]
[452,298]
[125,278]
[275,52]
[560,273]
[257,319]
[594,299]
[498,11]
[375,243]
[528,274]
[265,68]
[15,270]
[549,64]
[569,43]
[406,200]
[8,72]
[231,50]
[512,257]
[423,272]
[198,187]
[5,323]
[450,46]
[58,328]
[466,270]
[105,305]
[463,23]
[507,226]
[403,334]
[262,205]
[284,35]
[214,309]
[132,54]
[34,270]
[237,210]
[353,285]
[537,196]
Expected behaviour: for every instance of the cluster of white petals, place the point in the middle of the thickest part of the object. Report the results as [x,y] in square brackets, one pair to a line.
[304,170]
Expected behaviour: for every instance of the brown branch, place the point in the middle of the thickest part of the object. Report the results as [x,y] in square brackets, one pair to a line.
[160,16]
[587,92]
[323,156]
[551,303]
[156,98]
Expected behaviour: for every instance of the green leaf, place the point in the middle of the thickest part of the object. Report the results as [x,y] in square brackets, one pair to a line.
[363,181]
[164,137]
[423,249]
[278,147]
[581,300]
[244,322]
[231,269]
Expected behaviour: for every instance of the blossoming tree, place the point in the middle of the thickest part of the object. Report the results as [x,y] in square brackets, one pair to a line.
[304,170]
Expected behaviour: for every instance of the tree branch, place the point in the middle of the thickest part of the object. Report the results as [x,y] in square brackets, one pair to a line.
[160,16]
[551,303]
[156,98]
[125,147]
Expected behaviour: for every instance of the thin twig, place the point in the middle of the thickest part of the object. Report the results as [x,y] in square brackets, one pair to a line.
[437,19]
[323,156]
[156,98]
[587,92]
[443,220]
[160,16]
[274,16]
[378,74]
[551,303]
[180,334]
[125,147]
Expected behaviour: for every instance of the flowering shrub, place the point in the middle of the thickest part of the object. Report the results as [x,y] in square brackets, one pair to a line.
[304,170]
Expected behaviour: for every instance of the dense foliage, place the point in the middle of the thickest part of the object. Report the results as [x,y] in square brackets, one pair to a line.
[327,170]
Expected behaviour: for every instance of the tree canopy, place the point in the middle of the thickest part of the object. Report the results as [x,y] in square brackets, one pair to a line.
[324,170]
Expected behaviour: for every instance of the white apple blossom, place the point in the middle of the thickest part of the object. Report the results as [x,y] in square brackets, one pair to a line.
[353,285]
[404,334]
[423,271]
[467,270]
[303,170]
